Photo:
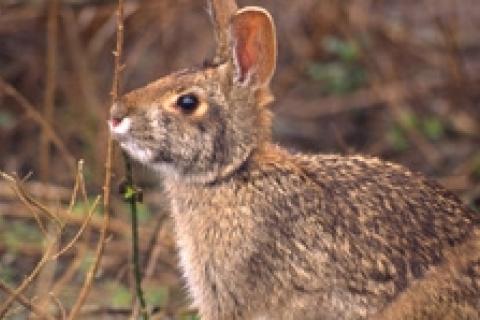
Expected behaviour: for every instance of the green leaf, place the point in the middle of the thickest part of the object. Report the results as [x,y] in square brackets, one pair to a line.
[129,193]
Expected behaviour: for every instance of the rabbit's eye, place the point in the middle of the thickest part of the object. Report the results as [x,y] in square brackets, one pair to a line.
[188,102]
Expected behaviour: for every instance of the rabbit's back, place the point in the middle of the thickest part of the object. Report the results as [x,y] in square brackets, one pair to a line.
[344,235]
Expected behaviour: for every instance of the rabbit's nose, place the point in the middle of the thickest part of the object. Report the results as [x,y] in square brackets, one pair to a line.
[115,121]
[119,122]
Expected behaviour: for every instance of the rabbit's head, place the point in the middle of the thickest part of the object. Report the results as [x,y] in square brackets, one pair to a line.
[203,124]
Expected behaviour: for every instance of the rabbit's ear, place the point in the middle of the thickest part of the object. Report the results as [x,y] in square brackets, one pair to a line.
[254,46]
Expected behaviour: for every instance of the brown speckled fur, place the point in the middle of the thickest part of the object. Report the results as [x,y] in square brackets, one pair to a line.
[265,234]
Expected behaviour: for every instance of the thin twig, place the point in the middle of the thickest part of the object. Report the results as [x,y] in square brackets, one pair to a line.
[25,302]
[108,177]
[30,201]
[135,246]
[72,268]
[80,231]
[46,275]
[128,168]
[51,83]
[78,180]
[59,304]
[37,117]
[19,195]
[12,297]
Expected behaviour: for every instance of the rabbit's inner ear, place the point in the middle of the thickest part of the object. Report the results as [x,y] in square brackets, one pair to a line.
[254,46]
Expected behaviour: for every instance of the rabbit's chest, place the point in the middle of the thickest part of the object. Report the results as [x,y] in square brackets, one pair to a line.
[213,243]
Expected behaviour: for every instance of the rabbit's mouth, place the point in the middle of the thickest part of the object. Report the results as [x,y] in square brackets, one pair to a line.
[137,152]
[120,129]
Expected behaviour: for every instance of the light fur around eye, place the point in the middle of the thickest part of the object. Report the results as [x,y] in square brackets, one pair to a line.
[171,102]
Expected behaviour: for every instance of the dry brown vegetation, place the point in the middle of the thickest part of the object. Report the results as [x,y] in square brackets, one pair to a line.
[396,79]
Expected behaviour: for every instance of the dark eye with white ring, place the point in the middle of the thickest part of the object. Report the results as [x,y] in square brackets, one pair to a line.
[187,102]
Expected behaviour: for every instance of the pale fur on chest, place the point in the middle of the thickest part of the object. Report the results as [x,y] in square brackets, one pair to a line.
[212,238]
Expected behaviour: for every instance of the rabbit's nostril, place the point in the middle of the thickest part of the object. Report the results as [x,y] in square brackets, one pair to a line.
[119,125]
[115,121]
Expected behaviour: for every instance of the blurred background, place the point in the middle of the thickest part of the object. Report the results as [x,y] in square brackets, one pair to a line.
[395,79]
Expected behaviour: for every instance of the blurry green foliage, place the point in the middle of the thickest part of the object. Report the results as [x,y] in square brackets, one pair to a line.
[347,51]
[397,139]
[190,317]
[143,211]
[476,165]
[7,120]
[87,261]
[342,75]
[408,120]
[7,274]
[19,233]
[83,208]
[120,295]
[431,127]
[157,296]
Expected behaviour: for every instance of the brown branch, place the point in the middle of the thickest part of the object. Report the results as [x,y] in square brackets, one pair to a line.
[46,275]
[29,201]
[12,297]
[25,302]
[59,305]
[116,226]
[80,231]
[37,117]
[13,186]
[70,271]
[51,83]
[221,12]
[108,175]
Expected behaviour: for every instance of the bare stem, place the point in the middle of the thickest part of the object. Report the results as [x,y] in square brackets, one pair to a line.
[24,301]
[51,60]
[108,173]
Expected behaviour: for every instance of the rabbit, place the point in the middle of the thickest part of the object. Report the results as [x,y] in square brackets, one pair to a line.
[263,233]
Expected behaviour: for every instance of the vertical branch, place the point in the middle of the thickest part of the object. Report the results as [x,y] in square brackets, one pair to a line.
[221,12]
[108,173]
[49,99]
[132,195]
